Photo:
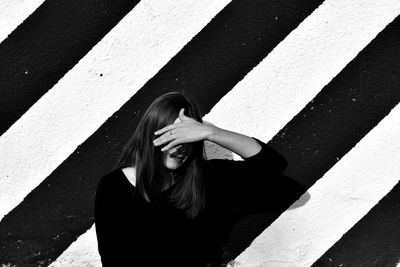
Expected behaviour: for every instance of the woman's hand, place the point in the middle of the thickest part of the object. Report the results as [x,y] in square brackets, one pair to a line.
[186,130]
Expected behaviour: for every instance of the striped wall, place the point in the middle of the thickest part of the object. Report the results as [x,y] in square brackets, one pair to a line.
[318,80]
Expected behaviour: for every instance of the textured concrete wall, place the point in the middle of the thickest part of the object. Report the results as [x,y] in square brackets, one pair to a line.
[69,105]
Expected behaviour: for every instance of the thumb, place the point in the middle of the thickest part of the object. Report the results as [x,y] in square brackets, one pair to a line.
[182,116]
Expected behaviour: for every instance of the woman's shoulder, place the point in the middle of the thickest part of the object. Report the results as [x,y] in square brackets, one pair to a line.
[218,162]
[267,158]
[221,166]
[112,181]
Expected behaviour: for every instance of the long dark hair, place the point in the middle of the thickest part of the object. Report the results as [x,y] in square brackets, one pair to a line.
[188,194]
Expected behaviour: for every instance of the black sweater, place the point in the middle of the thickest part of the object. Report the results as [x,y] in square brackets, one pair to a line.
[132,232]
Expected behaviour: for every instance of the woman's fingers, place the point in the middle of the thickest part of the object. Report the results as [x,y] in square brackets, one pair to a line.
[165,138]
[184,130]
[165,129]
[170,145]
[182,115]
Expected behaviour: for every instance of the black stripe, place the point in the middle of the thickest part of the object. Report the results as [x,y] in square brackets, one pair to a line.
[373,241]
[206,69]
[345,110]
[332,123]
[47,45]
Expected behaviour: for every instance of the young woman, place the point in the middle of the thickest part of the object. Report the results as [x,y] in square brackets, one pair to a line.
[165,204]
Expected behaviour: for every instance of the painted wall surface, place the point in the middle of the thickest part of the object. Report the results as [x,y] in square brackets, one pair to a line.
[316,80]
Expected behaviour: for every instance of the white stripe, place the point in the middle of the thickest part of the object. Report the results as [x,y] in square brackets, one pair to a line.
[82,253]
[305,73]
[303,63]
[280,86]
[13,13]
[338,201]
[133,52]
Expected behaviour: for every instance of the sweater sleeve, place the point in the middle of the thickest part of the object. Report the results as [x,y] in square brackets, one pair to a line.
[256,183]
[266,159]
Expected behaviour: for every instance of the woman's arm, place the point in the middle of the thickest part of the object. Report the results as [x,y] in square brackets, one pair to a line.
[189,130]
[240,144]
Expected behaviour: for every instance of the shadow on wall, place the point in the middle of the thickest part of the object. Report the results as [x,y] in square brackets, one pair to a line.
[282,194]
[247,228]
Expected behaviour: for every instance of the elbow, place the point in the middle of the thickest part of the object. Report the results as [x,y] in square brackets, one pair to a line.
[283,164]
[278,161]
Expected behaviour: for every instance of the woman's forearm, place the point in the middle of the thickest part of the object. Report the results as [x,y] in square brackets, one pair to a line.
[240,144]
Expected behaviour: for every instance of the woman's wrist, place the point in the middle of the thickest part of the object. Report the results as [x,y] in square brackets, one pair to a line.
[213,131]
[243,145]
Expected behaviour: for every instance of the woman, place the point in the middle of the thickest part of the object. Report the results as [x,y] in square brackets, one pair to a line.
[165,204]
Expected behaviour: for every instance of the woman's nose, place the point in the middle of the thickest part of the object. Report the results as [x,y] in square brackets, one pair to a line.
[179,150]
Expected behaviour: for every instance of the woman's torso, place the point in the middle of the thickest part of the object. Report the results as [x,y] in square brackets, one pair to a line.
[166,228]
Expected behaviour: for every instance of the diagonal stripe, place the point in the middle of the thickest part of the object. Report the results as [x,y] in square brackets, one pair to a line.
[373,241]
[38,53]
[66,195]
[292,74]
[151,26]
[13,13]
[68,254]
[82,253]
[338,200]
[361,76]
[344,111]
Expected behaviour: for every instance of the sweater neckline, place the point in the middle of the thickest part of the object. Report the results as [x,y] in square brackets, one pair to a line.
[132,186]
